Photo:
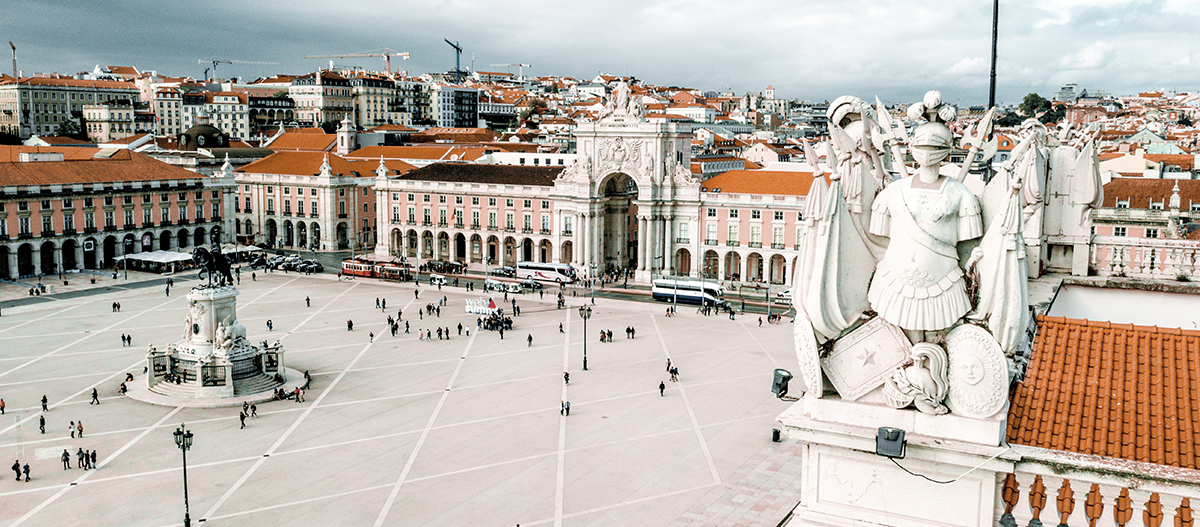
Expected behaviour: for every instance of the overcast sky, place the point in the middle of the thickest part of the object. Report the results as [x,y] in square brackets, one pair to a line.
[807,49]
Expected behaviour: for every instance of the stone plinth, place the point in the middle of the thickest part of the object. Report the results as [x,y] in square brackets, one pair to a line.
[846,483]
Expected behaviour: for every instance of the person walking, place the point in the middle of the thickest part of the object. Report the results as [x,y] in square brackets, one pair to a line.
[1,406]
[383,303]
[42,423]
[242,418]
[371,335]
[79,459]
[760,322]
[566,378]
[459,333]
[668,365]
[562,408]
[17,468]
[530,339]
[26,469]
[245,407]
[95,397]
[253,410]
[567,408]
[560,328]
[270,325]
[405,327]
[307,302]
[253,277]
[79,428]
[66,459]
[662,389]
[92,462]
[44,402]
[71,429]
[349,325]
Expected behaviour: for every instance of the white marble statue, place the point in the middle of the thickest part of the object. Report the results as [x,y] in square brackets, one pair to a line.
[919,284]
[922,381]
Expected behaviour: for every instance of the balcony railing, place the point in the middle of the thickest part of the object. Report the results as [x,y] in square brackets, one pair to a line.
[491,227]
[270,212]
[24,235]
[130,226]
[710,241]
[1071,483]
[165,223]
[427,223]
[67,232]
[147,224]
[732,243]
[526,230]
[545,232]
[48,234]
[568,233]
[779,246]
[475,226]
[184,221]
[215,219]
[682,240]
[342,215]
[754,245]
[299,214]
[458,225]
[89,230]
[442,224]
[1145,258]
[199,219]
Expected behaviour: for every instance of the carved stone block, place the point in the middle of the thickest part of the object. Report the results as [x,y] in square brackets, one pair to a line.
[862,359]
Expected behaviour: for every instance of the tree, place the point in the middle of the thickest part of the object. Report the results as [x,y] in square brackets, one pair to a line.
[330,126]
[1055,115]
[9,139]
[1010,119]
[1034,104]
[1184,120]
[69,128]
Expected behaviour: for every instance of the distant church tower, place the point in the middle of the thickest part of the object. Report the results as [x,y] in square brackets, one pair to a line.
[769,93]
[346,137]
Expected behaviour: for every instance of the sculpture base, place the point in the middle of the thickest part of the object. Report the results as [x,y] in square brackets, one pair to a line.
[846,483]
[184,394]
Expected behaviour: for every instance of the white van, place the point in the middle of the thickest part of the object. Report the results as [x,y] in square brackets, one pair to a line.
[437,279]
[496,285]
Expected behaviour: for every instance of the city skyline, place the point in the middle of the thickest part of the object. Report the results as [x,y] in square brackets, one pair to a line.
[805,52]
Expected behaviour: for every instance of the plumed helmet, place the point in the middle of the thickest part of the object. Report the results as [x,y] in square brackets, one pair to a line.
[848,106]
[933,134]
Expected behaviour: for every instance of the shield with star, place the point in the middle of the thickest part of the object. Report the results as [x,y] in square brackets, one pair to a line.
[865,357]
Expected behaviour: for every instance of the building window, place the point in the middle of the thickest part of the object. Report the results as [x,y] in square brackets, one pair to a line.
[733,232]
[128,216]
[528,203]
[312,192]
[474,219]
[441,199]
[441,216]
[87,202]
[777,237]
[528,222]
[1156,205]
[287,206]
[711,237]
[474,200]
[425,198]
[109,220]
[69,222]
[183,216]
[22,205]
[426,216]
[491,202]
[458,200]
[412,197]
[412,215]
[733,213]
[45,204]
[108,201]
[341,208]
[1151,233]
[755,234]
[756,214]
[545,204]
[492,220]
[270,205]
[508,221]
[287,191]
[365,209]
[23,225]
[48,224]
[313,206]
[89,221]
[1123,204]
[1118,231]
[779,217]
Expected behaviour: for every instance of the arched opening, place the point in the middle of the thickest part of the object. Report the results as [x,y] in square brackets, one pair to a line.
[110,252]
[493,249]
[199,237]
[545,251]
[301,235]
[567,256]
[460,247]
[5,272]
[148,239]
[288,233]
[754,268]
[89,253]
[270,233]
[778,272]
[68,255]
[343,236]
[47,257]
[443,246]
[527,250]
[733,266]
[683,262]
[476,248]
[510,255]
[164,240]
[413,243]
[248,229]
[427,245]
[185,238]
[618,224]
[25,261]
[711,264]
[316,235]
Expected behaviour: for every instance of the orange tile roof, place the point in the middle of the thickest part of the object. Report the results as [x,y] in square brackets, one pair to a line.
[765,182]
[75,83]
[309,163]
[306,142]
[1114,390]
[1141,191]
[79,166]
[432,153]
[1184,161]
[58,140]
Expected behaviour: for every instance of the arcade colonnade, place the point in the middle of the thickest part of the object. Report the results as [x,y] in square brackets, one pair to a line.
[28,257]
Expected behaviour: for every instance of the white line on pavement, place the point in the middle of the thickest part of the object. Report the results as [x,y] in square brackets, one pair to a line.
[712,466]
[54,314]
[560,477]
[387,506]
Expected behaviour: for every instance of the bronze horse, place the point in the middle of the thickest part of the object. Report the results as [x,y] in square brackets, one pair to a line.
[213,264]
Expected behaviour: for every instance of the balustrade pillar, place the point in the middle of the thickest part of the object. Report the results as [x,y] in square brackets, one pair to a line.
[1173,511]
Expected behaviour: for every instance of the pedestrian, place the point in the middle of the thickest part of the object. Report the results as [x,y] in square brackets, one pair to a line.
[66,459]
[405,327]
[254,410]
[95,397]
[71,429]
[668,365]
[560,328]
[562,408]
[26,469]
[662,389]
[567,408]
[632,332]
[530,339]
[417,292]
[270,325]
[371,335]
[459,332]
[92,463]
[376,302]
[42,423]
[566,378]
[79,428]
[307,302]
[17,468]
[1,406]
[253,277]
[300,395]
[760,322]
[349,325]
[242,418]
[79,459]
[245,407]
[44,402]
[383,303]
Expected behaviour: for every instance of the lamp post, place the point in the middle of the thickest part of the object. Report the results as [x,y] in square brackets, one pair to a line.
[585,312]
[183,440]
[592,284]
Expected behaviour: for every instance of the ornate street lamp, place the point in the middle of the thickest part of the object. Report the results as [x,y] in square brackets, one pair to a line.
[183,440]
[585,312]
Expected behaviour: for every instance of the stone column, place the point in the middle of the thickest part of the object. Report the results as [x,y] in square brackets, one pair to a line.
[642,240]
[669,244]
[13,272]
[583,239]
[58,259]
[78,254]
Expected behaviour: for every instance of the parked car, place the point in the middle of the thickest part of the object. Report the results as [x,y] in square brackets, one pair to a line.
[507,271]
[530,283]
[437,279]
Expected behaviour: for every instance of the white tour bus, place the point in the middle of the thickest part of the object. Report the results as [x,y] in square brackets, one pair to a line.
[546,272]
[688,292]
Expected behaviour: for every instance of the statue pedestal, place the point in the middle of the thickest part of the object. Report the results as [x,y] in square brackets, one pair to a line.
[846,483]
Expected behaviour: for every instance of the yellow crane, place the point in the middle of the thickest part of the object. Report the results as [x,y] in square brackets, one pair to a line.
[386,54]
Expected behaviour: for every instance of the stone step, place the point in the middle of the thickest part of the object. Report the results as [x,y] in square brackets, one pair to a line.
[257,384]
[170,389]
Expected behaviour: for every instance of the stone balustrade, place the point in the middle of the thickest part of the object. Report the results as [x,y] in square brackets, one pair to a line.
[1049,487]
[1146,258]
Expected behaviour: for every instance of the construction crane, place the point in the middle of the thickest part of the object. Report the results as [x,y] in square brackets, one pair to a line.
[520,69]
[223,61]
[457,60]
[386,54]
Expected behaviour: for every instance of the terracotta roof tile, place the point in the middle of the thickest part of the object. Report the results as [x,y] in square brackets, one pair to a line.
[305,142]
[765,182]
[486,174]
[309,163]
[1141,191]
[1107,389]
[79,166]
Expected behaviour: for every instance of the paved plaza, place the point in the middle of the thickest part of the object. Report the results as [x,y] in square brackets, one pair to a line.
[458,432]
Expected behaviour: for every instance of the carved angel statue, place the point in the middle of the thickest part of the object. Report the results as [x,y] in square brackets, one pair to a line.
[922,381]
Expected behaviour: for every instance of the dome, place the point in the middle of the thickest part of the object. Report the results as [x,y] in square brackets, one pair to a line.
[203,136]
